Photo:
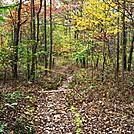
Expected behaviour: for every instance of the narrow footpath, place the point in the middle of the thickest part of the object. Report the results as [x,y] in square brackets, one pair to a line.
[53,116]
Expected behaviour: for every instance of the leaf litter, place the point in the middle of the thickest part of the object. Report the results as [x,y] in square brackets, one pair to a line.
[99,109]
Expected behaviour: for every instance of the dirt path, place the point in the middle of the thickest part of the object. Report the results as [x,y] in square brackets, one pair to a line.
[94,110]
[53,116]
[100,114]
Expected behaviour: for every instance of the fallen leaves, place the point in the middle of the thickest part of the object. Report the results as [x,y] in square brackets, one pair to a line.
[87,109]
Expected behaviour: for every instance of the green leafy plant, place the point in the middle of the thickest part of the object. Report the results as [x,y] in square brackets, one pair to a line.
[78,120]
[2,11]
[132,81]
[1,128]
[23,127]
[12,97]
[29,110]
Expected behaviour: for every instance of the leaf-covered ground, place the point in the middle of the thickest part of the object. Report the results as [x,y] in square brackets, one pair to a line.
[75,102]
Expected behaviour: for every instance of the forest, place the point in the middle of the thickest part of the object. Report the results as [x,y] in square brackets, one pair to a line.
[66,66]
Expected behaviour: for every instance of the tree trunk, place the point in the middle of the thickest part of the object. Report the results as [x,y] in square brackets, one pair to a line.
[124,45]
[117,50]
[34,43]
[45,38]
[51,37]
[124,37]
[104,56]
[38,28]
[28,63]
[131,54]
[16,41]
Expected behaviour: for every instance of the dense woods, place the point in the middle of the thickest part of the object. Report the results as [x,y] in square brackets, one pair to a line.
[79,54]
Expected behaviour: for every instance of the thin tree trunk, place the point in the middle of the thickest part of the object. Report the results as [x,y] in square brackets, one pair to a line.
[123,44]
[131,54]
[34,43]
[37,33]
[124,37]
[117,50]
[76,34]
[45,38]
[38,19]
[16,41]
[51,37]
[92,64]
[28,63]
[104,61]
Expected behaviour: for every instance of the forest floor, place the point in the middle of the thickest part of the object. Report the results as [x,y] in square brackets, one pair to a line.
[71,105]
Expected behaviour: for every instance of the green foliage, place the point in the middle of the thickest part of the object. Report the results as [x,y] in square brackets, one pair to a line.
[132,81]
[4,56]
[29,110]
[13,97]
[2,19]
[3,11]
[1,128]
[13,102]
[80,77]
[78,120]
[22,127]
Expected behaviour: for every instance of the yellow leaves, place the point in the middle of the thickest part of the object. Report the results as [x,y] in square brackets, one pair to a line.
[75,16]
[113,30]
[113,5]
[97,14]
[94,22]
[126,19]
[81,23]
